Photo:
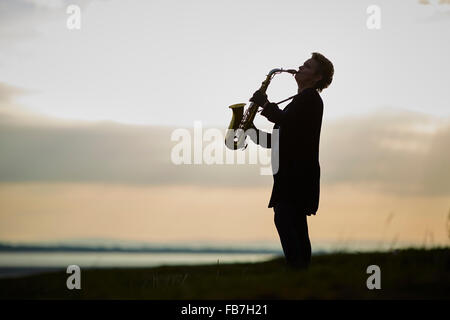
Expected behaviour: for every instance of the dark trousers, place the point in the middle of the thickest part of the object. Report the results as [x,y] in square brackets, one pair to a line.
[292,228]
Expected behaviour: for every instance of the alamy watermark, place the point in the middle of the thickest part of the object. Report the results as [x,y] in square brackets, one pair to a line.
[74,280]
[374,19]
[374,280]
[74,19]
[208,147]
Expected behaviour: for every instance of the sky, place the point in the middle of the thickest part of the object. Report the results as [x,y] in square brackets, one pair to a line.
[86,118]
[173,62]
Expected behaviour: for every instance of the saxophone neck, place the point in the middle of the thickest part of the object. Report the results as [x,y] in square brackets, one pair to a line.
[271,74]
[280,70]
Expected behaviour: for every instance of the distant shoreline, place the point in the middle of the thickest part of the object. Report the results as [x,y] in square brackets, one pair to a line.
[17,263]
[160,249]
[19,272]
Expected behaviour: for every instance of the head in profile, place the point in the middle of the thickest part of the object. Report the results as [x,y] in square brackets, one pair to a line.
[316,72]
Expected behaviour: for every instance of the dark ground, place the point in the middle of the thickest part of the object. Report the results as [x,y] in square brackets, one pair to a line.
[405,274]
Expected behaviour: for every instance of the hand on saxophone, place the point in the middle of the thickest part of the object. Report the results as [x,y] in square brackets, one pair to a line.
[259,98]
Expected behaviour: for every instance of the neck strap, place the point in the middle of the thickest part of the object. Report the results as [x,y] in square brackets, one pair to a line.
[288,98]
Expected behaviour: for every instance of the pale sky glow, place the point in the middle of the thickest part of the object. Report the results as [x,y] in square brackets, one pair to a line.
[173,62]
[86,118]
[149,214]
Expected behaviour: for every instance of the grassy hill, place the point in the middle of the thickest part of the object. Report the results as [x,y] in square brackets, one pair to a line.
[405,274]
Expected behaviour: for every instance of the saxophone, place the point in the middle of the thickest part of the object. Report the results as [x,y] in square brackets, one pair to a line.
[240,121]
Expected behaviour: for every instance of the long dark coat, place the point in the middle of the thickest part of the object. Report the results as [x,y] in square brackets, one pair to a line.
[297,179]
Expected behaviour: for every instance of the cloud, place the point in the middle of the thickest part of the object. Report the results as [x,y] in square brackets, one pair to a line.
[397,151]
[104,152]
[14,113]
[439,11]
[8,93]
[39,148]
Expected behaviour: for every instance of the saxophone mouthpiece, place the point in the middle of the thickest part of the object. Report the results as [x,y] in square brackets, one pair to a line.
[291,71]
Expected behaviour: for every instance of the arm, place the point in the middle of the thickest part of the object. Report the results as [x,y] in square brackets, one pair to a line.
[273,113]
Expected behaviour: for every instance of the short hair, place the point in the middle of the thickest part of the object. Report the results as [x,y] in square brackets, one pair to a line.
[326,70]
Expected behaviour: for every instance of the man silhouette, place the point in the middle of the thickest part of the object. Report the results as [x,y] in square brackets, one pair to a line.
[296,186]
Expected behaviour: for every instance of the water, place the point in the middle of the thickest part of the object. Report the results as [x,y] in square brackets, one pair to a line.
[23,260]
[23,263]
